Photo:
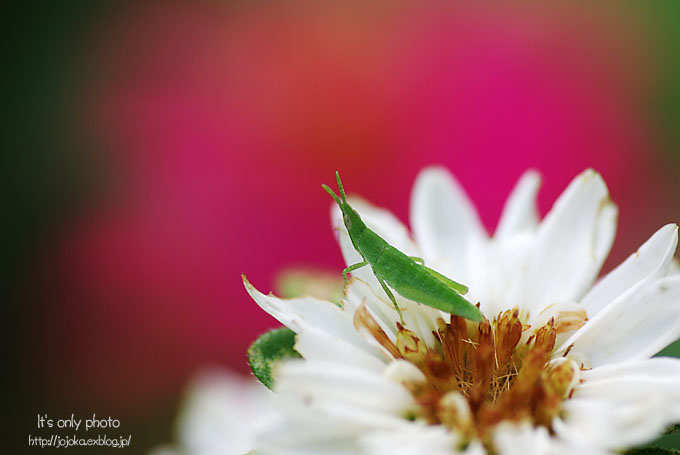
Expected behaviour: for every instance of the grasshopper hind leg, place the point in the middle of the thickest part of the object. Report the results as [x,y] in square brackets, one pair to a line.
[391,297]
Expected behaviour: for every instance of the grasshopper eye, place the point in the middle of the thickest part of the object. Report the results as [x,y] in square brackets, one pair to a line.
[347,221]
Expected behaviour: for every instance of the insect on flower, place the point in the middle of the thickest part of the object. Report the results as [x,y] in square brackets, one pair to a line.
[405,274]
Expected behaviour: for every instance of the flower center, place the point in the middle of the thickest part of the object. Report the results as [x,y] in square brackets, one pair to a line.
[479,374]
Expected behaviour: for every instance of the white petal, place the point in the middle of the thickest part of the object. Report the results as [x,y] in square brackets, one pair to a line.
[333,388]
[520,213]
[650,368]
[413,438]
[586,425]
[288,435]
[640,391]
[521,439]
[641,397]
[632,327]
[626,404]
[571,243]
[445,224]
[315,344]
[501,274]
[651,261]
[403,371]
[219,413]
[300,313]
[500,271]
[474,448]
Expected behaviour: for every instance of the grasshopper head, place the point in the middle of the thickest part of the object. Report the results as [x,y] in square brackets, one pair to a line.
[350,217]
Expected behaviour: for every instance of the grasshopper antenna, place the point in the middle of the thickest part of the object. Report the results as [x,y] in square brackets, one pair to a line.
[333,195]
[342,189]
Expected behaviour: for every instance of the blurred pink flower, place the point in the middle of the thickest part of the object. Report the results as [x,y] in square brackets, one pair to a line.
[221,122]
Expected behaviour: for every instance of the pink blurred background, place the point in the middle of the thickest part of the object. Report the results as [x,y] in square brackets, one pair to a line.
[198,134]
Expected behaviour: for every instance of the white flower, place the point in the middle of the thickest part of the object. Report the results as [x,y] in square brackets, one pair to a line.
[559,367]
[220,415]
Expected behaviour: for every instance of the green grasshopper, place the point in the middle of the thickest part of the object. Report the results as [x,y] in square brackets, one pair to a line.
[405,274]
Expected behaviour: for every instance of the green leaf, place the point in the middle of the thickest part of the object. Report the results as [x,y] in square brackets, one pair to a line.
[268,351]
[670,439]
[651,451]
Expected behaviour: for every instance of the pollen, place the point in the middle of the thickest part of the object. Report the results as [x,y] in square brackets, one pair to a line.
[478,375]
